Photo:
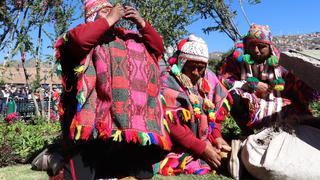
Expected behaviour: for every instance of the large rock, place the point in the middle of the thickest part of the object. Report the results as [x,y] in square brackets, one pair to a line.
[304,64]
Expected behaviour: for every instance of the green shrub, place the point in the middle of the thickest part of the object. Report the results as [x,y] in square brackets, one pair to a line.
[315,108]
[230,129]
[20,141]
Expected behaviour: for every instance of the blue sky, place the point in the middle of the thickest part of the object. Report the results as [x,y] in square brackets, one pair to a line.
[283,16]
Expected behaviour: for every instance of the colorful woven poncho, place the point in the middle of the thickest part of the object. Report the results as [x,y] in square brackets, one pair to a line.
[113,93]
[179,109]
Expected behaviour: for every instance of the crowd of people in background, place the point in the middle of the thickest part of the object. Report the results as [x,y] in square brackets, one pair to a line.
[21,98]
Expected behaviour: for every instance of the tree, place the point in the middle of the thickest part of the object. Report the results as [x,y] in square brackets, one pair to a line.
[28,16]
[20,18]
[221,14]
[170,18]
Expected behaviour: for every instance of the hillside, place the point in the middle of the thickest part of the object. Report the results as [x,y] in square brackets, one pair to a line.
[285,42]
[298,42]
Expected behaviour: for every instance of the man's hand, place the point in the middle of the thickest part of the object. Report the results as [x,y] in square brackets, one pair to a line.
[262,90]
[134,16]
[211,156]
[116,13]
[222,145]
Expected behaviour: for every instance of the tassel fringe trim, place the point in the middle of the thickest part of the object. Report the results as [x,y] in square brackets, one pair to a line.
[84,133]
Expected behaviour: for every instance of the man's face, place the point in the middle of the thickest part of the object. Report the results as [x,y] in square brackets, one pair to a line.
[259,51]
[194,70]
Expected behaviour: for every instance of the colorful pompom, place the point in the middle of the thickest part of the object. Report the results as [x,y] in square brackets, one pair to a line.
[278,84]
[273,61]
[181,43]
[194,99]
[253,82]
[208,104]
[185,80]
[175,70]
[238,54]
[247,59]
[212,115]
[172,60]
[279,87]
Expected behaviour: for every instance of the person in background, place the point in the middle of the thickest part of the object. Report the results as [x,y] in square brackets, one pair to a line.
[270,99]
[196,104]
[262,90]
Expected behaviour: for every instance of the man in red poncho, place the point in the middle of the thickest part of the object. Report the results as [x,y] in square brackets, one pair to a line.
[110,108]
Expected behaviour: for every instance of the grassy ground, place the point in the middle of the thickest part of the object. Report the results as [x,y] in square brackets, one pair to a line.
[21,172]
[24,172]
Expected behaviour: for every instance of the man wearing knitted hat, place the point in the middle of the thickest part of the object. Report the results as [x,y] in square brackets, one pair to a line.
[111,113]
[259,86]
[270,99]
[196,104]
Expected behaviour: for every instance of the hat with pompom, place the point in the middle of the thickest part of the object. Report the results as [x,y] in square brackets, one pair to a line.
[191,49]
[194,49]
[92,7]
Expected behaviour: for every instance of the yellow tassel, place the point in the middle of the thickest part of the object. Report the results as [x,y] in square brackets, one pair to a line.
[186,115]
[197,110]
[227,104]
[212,115]
[117,136]
[169,114]
[208,104]
[183,163]
[279,87]
[163,163]
[193,98]
[79,69]
[165,123]
[78,133]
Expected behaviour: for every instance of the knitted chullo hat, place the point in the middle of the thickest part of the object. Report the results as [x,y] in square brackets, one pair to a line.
[256,33]
[191,49]
[92,7]
[259,33]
